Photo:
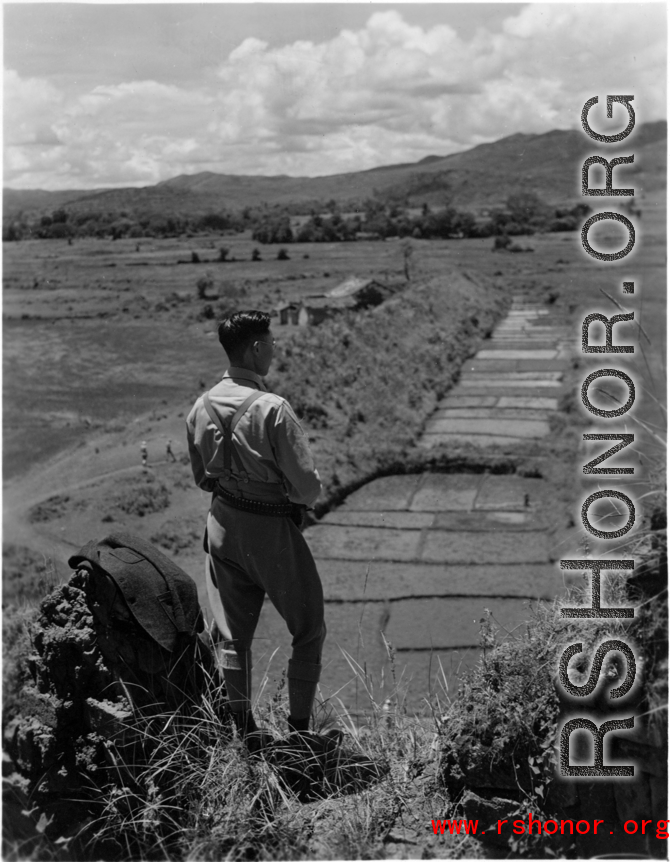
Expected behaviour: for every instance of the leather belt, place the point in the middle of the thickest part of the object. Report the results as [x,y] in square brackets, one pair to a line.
[258,507]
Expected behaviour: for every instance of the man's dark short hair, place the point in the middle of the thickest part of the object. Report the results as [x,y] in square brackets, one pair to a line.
[236,331]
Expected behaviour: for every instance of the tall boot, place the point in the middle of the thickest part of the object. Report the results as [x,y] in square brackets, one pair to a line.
[237,675]
[303,678]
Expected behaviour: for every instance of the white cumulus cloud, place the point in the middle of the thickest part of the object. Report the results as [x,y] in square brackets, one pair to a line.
[387,92]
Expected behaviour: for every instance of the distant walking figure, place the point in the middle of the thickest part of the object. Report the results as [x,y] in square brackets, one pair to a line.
[143,450]
[168,450]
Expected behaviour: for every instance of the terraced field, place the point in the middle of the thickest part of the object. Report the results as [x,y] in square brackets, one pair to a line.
[410,562]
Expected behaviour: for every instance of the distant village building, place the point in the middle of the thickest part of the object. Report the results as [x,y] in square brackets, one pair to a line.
[288,312]
[353,293]
[318,308]
[364,291]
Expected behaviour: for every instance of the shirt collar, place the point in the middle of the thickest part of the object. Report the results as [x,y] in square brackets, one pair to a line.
[245,374]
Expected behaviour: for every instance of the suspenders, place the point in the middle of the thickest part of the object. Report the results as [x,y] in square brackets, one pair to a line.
[226,427]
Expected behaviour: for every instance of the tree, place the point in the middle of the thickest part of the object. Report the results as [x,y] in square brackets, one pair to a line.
[273,227]
[528,210]
[440,224]
[12,233]
[60,230]
[465,223]
[580,210]
[372,209]
[121,227]
[215,221]
[309,232]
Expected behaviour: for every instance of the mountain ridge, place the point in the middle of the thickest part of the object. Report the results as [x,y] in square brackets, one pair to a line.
[548,164]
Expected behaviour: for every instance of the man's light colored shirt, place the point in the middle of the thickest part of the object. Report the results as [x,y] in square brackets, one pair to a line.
[268,439]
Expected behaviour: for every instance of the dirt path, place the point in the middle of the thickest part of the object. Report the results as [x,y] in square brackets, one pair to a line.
[102,459]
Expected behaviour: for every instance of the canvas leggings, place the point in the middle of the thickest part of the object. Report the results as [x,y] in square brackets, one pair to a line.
[252,555]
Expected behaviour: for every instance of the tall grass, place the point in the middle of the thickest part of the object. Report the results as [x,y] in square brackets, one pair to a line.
[183,786]
[202,796]
[500,731]
[364,384]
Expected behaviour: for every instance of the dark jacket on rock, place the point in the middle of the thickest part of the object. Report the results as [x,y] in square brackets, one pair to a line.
[161,597]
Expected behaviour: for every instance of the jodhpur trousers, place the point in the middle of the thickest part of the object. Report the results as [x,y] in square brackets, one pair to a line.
[253,555]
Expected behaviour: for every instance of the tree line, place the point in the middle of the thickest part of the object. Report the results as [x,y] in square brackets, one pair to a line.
[64,224]
[523,213]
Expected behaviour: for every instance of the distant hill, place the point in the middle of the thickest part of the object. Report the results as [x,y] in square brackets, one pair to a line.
[38,200]
[475,179]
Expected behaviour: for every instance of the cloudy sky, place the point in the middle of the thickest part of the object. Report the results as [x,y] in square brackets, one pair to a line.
[117,95]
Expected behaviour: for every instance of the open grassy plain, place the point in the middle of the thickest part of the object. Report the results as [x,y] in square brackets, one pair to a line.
[98,333]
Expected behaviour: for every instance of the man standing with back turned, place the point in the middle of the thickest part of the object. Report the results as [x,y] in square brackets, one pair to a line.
[247,447]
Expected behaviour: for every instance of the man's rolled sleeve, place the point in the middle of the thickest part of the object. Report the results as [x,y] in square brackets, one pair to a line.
[294,458]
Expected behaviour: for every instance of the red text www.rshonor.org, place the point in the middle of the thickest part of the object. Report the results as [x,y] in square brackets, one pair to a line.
[533,826]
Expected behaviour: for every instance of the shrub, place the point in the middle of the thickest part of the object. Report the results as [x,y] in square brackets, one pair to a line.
[175,535]
[500,243]
[50,509]
[282,254]
[204,285]
[81,753]
[110,782]
[564,223]
[389,364]
[500,729]
[143,496]
[506,708]
[27,575]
